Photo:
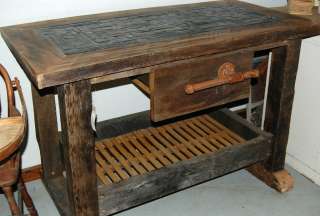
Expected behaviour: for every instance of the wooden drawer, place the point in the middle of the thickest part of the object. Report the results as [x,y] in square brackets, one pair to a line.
[166,84]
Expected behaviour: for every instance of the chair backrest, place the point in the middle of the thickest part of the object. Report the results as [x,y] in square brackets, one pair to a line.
[12,85]
[10,93]
[13,112]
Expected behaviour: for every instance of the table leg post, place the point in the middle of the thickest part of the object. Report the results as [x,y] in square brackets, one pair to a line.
[47,132]
[278,113]
[78,146]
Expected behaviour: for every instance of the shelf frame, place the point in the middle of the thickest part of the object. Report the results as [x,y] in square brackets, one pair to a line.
[140,189]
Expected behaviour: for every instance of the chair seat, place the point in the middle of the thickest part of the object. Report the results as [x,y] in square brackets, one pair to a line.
[11,133]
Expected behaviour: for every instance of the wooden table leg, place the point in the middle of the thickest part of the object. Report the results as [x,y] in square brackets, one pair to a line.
[78,147]
[47,132]
[278,113]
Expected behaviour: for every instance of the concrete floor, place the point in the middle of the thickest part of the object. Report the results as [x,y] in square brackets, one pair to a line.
[236,194]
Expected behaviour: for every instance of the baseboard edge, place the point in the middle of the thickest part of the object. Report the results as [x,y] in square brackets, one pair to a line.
[303,168]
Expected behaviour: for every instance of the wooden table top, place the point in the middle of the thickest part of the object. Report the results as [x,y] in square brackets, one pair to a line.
[61,51]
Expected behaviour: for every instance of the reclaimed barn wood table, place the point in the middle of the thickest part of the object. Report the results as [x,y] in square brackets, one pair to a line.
[187,59]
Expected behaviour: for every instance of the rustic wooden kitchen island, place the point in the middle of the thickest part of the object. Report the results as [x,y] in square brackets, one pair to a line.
[188,59]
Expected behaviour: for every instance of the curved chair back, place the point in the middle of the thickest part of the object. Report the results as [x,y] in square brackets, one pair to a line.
[13,130]
[13,112]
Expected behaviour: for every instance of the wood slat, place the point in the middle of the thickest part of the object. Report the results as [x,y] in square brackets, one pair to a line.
[173,148]
[122,160]
[143,160]
[107,169]
[152,149]
[114,163]
[236,136]
[164,150]
[102,176]
[182,140]
[132,159]
[145,150]
[193,141]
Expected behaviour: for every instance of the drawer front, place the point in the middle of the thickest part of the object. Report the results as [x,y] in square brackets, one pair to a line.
[168,85]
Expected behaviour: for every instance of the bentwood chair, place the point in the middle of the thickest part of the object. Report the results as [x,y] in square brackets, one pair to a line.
[13,130]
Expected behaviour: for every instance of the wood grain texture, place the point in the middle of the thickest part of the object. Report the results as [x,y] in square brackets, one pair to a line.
[314,18]
[168,83]
[138,190]
[300,7]
[11,130]
[45,119]
[120,158]
[9,90]
[47,65]
[280,98]
[154,184]
[32,173]
[57,188]
[166,180]
[281,180]
[78,147]
[27,198]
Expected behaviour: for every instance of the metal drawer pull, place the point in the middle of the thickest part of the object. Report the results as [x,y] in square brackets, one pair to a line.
[227,75]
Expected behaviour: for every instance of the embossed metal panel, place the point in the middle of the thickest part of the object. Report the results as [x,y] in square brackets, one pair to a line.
[79,37]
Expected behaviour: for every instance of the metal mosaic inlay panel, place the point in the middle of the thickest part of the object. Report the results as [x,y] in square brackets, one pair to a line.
[85,36]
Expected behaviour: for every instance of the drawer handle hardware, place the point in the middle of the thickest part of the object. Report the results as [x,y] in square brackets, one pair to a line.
[227,75]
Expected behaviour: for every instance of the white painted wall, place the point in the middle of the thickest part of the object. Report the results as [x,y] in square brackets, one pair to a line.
[303,151]
[110,103]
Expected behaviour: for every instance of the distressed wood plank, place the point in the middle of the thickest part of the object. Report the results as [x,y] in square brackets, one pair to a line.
[168,98]
[180,176]
[45,119]
[170,37]
[78,145]
[284,68]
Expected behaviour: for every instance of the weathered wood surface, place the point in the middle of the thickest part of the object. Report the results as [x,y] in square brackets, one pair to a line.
[78,148]
[283,73]
[140,189]
[300,7]
[149,149]
[314,18]
[57,188]
[32,173]
[45,119]
[168,83]
[155,184]
[166,35]
[281,180]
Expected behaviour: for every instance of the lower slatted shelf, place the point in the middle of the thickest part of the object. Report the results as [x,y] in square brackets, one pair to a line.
[147,150]
[138,161]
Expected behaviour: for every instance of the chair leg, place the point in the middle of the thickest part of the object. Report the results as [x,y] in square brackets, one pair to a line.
[27,199]
[20,201]
[8,192]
